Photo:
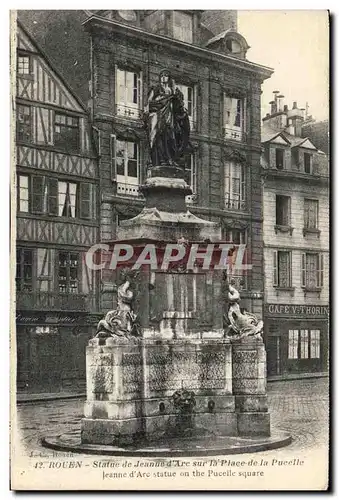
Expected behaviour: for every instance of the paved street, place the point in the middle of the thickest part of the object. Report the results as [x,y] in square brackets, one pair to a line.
[297,406]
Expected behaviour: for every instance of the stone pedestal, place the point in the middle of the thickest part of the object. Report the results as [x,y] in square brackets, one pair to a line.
[130,391]
[249,387]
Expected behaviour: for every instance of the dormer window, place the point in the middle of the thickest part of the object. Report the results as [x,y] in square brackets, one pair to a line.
[233,46]
[182,26]
[308,163]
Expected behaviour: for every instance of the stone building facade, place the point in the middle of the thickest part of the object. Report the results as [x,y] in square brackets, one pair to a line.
[296,244]
[56,179]
[222,94]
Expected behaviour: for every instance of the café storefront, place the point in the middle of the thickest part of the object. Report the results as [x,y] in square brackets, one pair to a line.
[296,338]
[51,349]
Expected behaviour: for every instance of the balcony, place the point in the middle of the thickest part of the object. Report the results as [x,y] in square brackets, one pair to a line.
[130,112]
[235,204]
[124,189]
[44,301]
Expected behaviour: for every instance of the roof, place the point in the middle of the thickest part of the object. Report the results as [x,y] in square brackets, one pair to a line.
[223,34]
[268,134]
[60,35]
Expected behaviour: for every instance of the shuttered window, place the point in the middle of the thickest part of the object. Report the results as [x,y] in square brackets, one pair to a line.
[311,208]
[189,93]
[282,274]
[128,93]
[24,269]
[312,270]
[24,123]
[282,210]
[48,195]
[125,166]
[235,186]
[182,26]
[234,118]
[69,272]
[23,193]
[66,133]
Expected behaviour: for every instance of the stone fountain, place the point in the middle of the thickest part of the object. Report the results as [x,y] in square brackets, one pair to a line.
[175,365]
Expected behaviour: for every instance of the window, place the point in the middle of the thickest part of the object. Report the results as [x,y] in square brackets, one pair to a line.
[182,26]
[308,163]
[24,269]
[282,269]
[233,46]
[236,236]
[23,193]
[279,158]
[125,166]
[67,196]
[311,209]
[68,278]
[128,93]
[190,103]
[23,124]
[282,210]
[66,133]
[235,186]
[233,118]
[24,65]
[304,346]
[293,340]
[189,164]
[48,195]
[315,344]
[312,270]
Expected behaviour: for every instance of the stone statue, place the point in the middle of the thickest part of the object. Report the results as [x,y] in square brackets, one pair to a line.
[240,324]
[167,122]
[121,322]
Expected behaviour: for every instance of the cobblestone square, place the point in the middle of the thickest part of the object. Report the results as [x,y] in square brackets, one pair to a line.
[300,407]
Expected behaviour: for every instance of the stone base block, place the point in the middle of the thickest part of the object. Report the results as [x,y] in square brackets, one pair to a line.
[250,403]
[254,424]
[126,432]
[117,410]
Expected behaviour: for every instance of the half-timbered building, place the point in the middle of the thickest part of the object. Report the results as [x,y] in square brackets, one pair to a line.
[57,221]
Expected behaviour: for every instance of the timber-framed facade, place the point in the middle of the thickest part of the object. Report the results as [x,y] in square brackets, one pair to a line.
[57,221]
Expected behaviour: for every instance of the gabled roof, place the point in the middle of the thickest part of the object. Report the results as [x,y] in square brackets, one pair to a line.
[276,136]
[60,35]
[299,142]
[25,41]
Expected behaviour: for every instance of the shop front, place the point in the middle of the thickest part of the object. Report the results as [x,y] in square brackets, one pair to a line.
[296,338]
[51,350]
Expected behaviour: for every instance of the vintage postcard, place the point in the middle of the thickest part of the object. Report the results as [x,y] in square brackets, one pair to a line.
[170,250]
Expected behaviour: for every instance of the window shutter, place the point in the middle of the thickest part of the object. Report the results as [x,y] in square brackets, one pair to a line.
[140,90]
[303,269]
[275,268]
[38,189]
[52,196]
[113,147]
[194,105]
[243,183]
[243,116]
[320,270]
[85,200]
[227,181]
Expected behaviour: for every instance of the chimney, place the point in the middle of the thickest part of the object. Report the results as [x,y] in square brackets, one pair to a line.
[295,106]
[280,98]
[285,108]
[290,128]
[272,103]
